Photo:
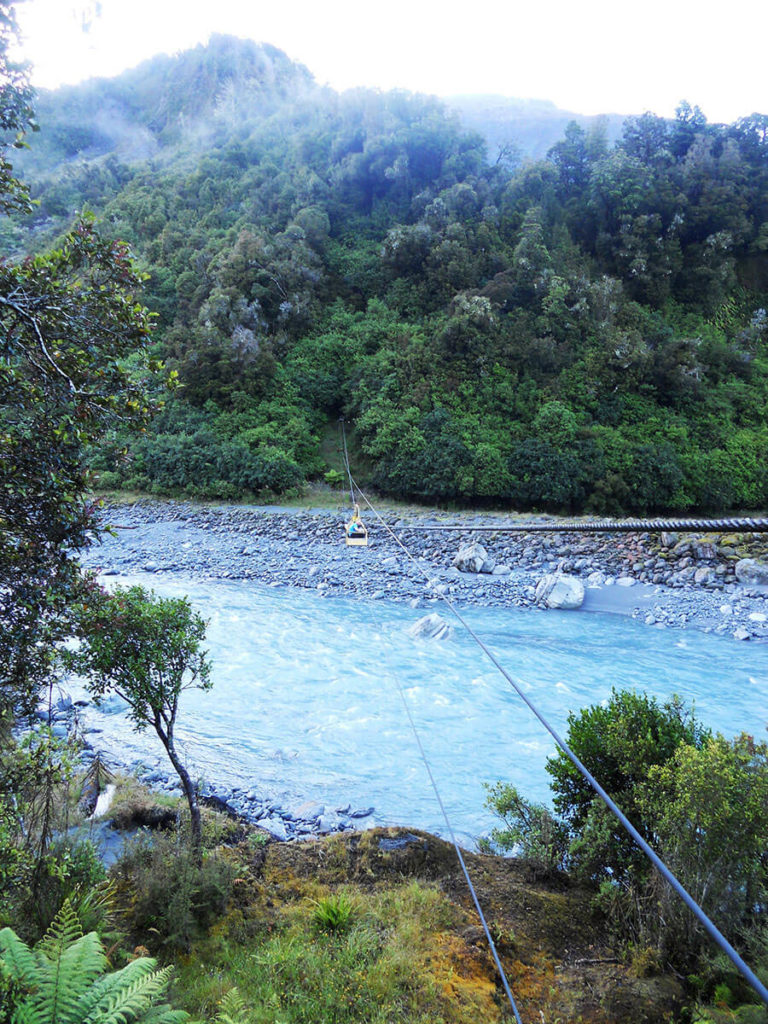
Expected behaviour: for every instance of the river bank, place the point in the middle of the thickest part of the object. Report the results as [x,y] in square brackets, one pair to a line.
[664,580]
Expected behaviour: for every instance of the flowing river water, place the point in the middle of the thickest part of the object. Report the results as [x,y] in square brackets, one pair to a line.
[306,705]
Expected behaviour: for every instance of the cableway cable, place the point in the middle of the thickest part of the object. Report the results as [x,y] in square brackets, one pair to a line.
[708,925]
[449,826]
[457,848]
[346,458]
[737,525]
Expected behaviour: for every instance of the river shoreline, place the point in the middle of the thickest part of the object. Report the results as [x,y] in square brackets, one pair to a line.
[663,580]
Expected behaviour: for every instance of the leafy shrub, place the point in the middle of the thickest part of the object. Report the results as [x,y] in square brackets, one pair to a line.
[333,478]
[74,871]
[700,802]
[203,465]
[108,480]
[544,477]
[171,896]
[618,742]
[531,832]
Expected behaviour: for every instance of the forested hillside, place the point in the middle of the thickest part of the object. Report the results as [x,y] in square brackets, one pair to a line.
[587,331]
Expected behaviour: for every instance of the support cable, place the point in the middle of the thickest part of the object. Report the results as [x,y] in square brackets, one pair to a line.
[660,866]
[417,737]
[457,848]
[346,459]
[738,525]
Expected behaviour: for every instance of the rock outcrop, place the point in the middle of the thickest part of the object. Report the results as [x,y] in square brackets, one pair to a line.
[751,572]
[431,627]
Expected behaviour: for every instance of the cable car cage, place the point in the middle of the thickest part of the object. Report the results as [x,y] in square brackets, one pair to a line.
[356,532]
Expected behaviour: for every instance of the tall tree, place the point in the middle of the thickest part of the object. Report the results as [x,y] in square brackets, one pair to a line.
[68,320]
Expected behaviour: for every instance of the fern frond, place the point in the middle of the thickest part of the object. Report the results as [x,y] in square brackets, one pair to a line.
[103,991]
[63,982]
[18,958]
[62,931]
[165,1014]
[233,1009]
[129,995]
[25,1014]
[61,968]
[65,973]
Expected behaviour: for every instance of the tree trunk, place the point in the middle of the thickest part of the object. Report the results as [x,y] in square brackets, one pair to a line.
[191,794]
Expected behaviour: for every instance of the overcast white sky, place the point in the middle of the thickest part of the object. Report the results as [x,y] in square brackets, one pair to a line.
[589,56]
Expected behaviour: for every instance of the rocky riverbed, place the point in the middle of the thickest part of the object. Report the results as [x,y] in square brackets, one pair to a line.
[705,581]
[713,583]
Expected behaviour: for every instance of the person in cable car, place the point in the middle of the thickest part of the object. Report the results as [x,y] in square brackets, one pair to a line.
[356,528]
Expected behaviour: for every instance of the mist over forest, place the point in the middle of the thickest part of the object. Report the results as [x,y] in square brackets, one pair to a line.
[508,307]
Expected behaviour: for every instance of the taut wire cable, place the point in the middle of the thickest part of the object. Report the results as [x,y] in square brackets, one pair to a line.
[709,926]
[457,848]
[346,460]
[449,826]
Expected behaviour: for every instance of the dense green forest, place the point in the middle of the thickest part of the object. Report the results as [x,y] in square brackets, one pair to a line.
[584,332]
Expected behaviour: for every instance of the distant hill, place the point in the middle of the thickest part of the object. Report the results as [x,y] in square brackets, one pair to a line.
[164,103]
[532,126]
[168,101]
[585,331]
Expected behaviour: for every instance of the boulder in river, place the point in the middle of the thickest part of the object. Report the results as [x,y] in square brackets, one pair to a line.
[752,572]
[431,627]
[556,590]
[473,558]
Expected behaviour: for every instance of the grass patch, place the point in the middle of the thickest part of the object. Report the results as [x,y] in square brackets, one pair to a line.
[396,959]
[135,806]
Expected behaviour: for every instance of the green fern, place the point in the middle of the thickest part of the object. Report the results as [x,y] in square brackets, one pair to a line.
[233,1009]
[64,980]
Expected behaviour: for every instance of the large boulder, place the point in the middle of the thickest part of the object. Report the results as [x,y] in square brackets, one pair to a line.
[751,572]
[556,590]
[473,558]
[431,627]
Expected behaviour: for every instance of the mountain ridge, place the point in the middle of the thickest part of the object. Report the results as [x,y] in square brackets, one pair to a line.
[95,117]
[583,332]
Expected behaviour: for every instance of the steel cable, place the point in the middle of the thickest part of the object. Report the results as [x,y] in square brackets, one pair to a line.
[738,525]
[709,926]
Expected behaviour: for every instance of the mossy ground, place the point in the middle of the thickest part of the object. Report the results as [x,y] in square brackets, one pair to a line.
[412,949]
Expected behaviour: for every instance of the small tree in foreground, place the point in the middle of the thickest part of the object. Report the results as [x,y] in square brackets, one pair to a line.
[701,801]
[146,649]
[618,741]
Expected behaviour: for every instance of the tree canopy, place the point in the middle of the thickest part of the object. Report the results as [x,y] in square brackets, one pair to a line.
[69,327]
[313,254]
